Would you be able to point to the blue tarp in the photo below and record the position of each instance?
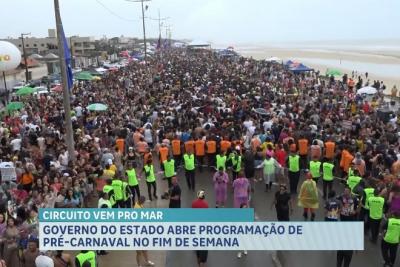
(288, 63)
(300, 68)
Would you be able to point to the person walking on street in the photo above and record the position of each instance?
(390, 240)
(294, 171)
(150, 179)
(241, 191)
(283, 204)
(271, 168)
(133, 182)
(308, 197)
(343, 258)
(190, 169)
(221, 181)
(376, 204)
(142, 254)
(174, 193)
(327, 177)
(201, 203)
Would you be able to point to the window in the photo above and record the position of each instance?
(35, 45)
(27, 45)
(42, 45)
(19, 45)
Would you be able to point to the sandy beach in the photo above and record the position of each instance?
(383, 65)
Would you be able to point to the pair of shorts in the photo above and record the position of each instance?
(202, 255)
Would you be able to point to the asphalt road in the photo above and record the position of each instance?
(261, 202)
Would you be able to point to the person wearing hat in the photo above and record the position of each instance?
(201, 203)
(44, 260)
(308, 197)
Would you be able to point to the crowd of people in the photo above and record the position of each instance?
(247, 123)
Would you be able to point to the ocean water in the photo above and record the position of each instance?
(384, 70)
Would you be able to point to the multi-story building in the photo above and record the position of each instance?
(81, 46)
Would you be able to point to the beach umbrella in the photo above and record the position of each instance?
(25, 91)
(368, 90)
(97, 107)
(84, 76)
(14, 106)
(334, 72)
(261, 111)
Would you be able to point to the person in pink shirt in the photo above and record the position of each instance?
(241, 191)
(221, 181)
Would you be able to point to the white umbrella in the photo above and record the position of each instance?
(368, 90)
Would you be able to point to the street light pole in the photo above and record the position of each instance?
(25, 60)
(144, 25)
(66, 97)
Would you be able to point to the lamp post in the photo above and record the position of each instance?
(25, 60)
(144, 25)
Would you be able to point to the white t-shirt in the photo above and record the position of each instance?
(248, 124)
(44, 261)
(16, 144)
(267, 125)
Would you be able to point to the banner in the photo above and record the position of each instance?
(200, 229)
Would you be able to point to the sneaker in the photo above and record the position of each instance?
(149, 263)
(239, 255)
(245, 252)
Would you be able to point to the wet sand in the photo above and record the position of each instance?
(319, 58)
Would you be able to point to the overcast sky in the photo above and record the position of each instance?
(218, 21)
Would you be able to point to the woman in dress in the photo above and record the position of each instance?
(241, 191)
(220, 180)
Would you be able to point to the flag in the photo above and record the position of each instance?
(68, 60)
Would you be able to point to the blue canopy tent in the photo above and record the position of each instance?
(289, 62)
(300, 68)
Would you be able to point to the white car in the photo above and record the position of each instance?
(40, 90)
(18, 85)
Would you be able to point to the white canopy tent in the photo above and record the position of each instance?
(368, 90)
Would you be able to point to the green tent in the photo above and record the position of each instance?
(84, 76)
(14, 106)
(334, 72)
(25, 91)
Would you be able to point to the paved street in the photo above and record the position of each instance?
(261, 201)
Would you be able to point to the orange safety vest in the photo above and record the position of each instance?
(189, 146)
(163, 153)
(329, 150)
(303, 147)
(120, 143)
(225, 145)
(211, 147)
(176, 147)
(200, 148)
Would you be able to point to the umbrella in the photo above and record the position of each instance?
(97, 107)
(261, 111)
(333, 72)
(368, 90)
(14, 106)
(58, 88)
(84, 76)
(25, 91)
